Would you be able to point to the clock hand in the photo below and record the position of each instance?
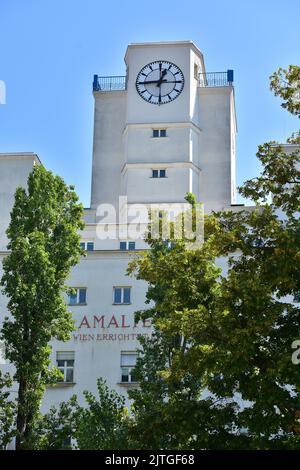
(176, 81)
(150, 81)
(161, 78)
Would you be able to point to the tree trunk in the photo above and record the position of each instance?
(21, 415)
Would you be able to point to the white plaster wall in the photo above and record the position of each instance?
(141, 187)
(100, 358)
(108, 154)
(140, 146)
(215, 147)
(138, 110)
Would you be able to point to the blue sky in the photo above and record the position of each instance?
(49, 51)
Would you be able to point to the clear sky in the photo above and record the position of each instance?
(50, 49)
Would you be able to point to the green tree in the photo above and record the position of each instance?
(7, 411)
(44, 245)
(55, 429)
(217, 372)
(172, 409)
(102, 423)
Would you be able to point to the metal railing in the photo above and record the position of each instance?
(209, 79)
(215, 79)
(114, 83)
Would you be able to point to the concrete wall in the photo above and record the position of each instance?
(200, 126)
(97, 355)
(108, 154)
(215, 147)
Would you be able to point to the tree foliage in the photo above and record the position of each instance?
(100, 424)
(7, 411)
(44, 245)
(217, 373)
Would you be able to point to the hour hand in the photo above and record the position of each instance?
(161, 78)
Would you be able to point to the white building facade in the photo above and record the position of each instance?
(166, 128)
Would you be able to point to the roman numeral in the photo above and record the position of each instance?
(149, 99)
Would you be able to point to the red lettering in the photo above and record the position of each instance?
(98, 320)
(113, 321)
(124, 322)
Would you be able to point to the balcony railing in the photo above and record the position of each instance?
(117, 83)
(215, 79)
(109, 83)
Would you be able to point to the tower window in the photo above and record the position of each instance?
(196, 71)
(159, 173)
(159, 132)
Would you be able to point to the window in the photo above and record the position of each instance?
(127, 246)
(159, 173)
(128, 363)
(159, 133)
(79, 298)
(122, 295)
(65, 363)
(87, 246)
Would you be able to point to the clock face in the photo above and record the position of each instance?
(160, 82)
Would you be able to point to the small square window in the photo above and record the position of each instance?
(87, 246)
(159, 173)
(124, 246)
(79, 298)
(122, 295)
(159, 133)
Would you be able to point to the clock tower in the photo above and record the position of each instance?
(167, 128)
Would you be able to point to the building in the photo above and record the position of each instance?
(164, 129)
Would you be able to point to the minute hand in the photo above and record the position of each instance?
(151, 81)
(174, 81)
